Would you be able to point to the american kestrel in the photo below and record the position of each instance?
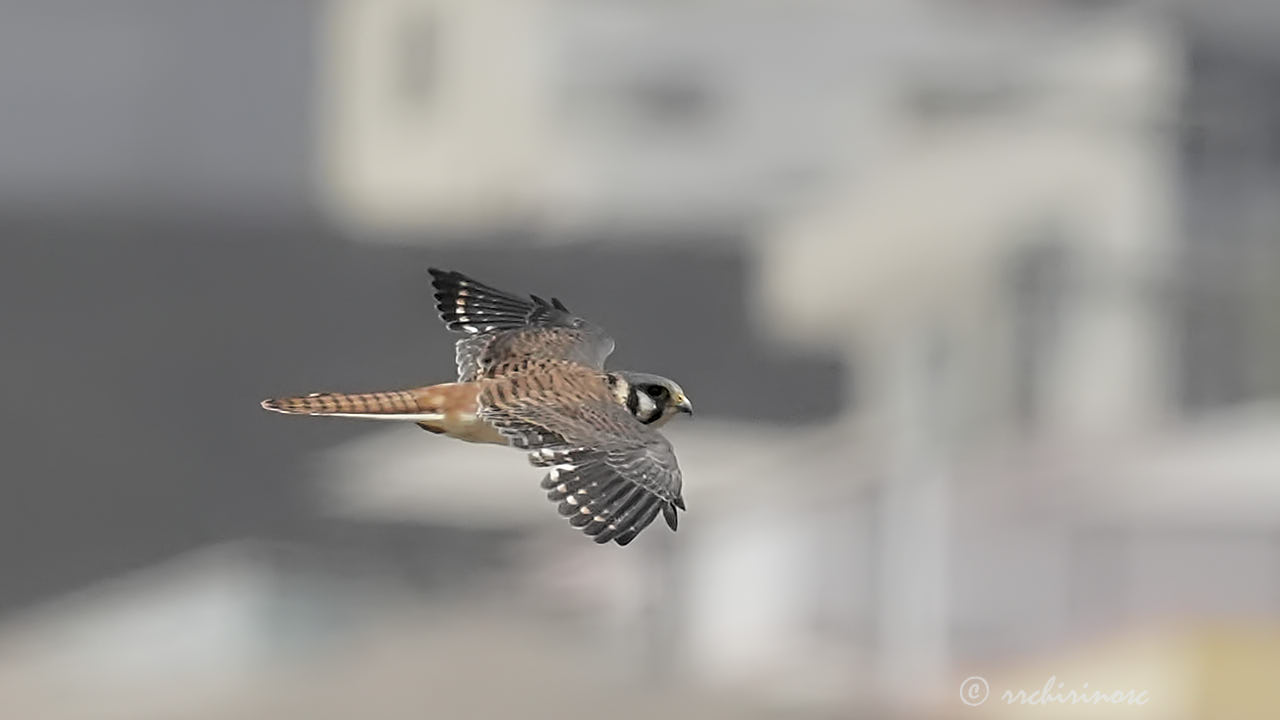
(531, 375)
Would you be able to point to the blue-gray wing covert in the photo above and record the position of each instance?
(610, 474)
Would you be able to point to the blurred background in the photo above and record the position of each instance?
(978, 301)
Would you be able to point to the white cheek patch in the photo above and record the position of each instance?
(645, 407)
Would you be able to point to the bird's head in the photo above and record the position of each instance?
(652, 399)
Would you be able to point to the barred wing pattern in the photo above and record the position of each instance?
(505, 331)
(613, 493)
(610, 475)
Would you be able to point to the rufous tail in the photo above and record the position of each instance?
(417, 404)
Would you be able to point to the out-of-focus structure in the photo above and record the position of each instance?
(1038, 244)
(608, 119)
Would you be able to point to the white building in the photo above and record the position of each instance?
(608, 118)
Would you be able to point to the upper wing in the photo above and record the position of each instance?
(610, 474)
(504, 330)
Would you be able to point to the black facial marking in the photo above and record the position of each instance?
(657, 394)
(633, 402)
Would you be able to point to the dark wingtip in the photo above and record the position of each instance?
(443, 280)
(448, 277)
(669, 514)
(679, 501)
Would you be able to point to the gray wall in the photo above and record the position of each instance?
(156, 104)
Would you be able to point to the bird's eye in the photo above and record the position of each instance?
(656, 392)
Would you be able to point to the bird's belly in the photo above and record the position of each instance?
(469, 427)
(457, 414)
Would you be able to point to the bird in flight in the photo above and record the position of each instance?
(531, 375)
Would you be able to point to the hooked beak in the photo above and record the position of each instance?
(684, 406)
